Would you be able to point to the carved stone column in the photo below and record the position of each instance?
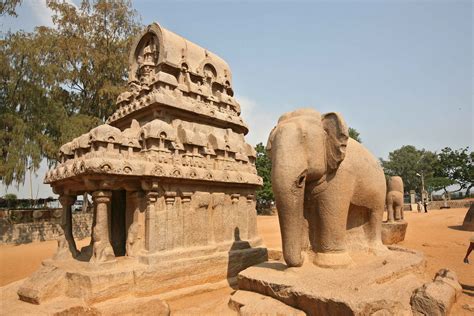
(136, 231)
(150, 222)
(102, 250)
(66, 223)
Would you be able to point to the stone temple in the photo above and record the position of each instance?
(172, 179)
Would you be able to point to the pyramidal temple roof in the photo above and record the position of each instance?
(177, 119)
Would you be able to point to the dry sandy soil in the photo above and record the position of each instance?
(436, 233)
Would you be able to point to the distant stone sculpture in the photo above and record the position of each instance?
(394, 229)
(395, 199)
(329, 190)
(468, 223)
(172, 179)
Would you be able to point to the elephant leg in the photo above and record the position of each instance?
(332, 224)
(374, 233)
(390, 212)
(398, 214)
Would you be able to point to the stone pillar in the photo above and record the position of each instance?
(150, 222)
(412, 197)
(102, 250)
(168, 220)
(136, 231)
(66, 222)
(252, 217)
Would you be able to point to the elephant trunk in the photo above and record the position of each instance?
(288, 182)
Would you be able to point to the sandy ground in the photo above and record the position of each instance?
(436, 233)
(19, 261)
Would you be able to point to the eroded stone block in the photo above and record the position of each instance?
(437, 297)
(394, 232)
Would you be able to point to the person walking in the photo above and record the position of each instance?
(425, 205)
(469, 249)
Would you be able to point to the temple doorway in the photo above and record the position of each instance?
(118, 232)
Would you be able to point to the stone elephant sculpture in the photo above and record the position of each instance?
(394, 199)
(325, 185)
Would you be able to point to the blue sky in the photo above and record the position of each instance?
(400, 72)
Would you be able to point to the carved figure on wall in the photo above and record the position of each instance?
(320, 177)
(395, 199)
(134, 240)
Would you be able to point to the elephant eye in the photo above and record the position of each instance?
(301, 180)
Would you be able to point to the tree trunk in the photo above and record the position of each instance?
(468, 190)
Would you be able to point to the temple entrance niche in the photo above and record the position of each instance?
(118, 228)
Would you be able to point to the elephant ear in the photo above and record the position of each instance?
(269, 143)
(336, 140)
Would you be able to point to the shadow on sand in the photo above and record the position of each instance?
(467, 289)
(456, 227)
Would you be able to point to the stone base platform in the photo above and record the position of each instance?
(394, 232)
(381, 285)
(60, 306)
(131, 277)
(251, 303)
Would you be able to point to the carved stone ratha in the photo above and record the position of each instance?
(172, 179)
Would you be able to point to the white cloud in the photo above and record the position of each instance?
(41, 12)
(259, 121)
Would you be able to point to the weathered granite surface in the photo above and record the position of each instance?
(374, 284)
(394, 232)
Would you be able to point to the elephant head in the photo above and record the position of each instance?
(304, 147)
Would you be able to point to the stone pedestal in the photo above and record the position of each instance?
(393, 232)
(381, 285)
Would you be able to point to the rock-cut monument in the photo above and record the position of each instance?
(172, 179)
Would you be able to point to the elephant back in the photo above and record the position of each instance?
(395, 183)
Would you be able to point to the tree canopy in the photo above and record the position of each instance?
(440, 170)
(455, 167)
(8, 7)
(410, 163)
(354, 134)
(58, 82)
(264, 169)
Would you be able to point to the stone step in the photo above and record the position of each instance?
(251, 303)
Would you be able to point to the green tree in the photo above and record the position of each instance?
(456, 167)
(410, 163)
(56, 83)
(264, 170)
(354, 134)
(438, 183)
(9, 7)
